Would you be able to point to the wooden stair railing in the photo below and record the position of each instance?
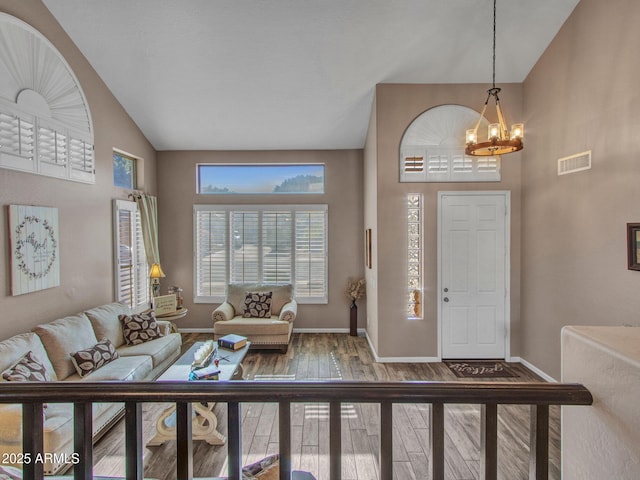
(488, 395)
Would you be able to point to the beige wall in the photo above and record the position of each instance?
(344, 196)
(85, 217)
(582, 95)
(371, 221)
(397, 106)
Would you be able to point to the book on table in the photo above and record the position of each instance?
(232, 341)
(207, 373)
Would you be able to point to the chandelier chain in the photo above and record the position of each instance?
(494, 44)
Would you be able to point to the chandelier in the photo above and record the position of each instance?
(499, 139)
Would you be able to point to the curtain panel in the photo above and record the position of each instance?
(148, 207)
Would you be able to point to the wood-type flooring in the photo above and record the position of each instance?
(340, 356)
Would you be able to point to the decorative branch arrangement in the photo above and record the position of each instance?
(355, 289)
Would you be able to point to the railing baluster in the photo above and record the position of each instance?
(539, 395)
(33, 440)
(539, 444)
(489, 440)
(234, 441)
(437, 441)
(133, 441)
(83, 440)
(284, 439)
(386, 440)
(184, 441)
(335, 441)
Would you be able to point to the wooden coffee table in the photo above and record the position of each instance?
(205, 422)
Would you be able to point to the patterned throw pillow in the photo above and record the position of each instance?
(28, 369)
(139, 328)
(91, 359)
(257, 305)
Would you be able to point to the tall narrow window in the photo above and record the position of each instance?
(268, 244)
(124, 170)
(414, 255)
(132, 272)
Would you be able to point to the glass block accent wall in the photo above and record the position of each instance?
(414, 255)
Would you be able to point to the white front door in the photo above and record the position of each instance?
(474, 263)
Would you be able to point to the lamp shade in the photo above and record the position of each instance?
(156, 271)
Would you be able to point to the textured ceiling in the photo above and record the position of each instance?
(292, 74)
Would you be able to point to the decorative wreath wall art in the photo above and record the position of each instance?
(35, 263)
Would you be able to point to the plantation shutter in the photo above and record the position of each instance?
(276, 247)
(245, 245)
(126, 273)
(311, 253)
(211, 253)
(271, 245)
(81, 159)
(16, 135)
(132, 273)
(52, 146)
(142, 285)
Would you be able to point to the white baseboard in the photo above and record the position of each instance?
(534, 369)
(325, 330)
(295, 330)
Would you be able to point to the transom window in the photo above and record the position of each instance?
(261, 179)
(431, 149)
(267, 244)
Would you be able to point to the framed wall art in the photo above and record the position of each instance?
(633, 246)
(368, 259)
(35, 251)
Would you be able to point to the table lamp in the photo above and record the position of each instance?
(155, 274)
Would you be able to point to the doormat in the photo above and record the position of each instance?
(484, 369)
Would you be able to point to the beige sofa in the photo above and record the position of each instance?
(52, 344)
(273, 332)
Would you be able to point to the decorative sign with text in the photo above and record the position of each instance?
(164, 304)
(35, 252)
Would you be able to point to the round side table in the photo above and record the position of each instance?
(177, 315)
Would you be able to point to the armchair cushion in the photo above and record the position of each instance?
(289, 312)
(249, 327)
(223, 313)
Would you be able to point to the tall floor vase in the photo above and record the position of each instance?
(353, 323)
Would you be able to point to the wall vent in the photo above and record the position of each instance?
(574, 163)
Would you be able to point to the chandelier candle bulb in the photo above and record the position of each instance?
(517, 130)
(471, 136)
(494, 131)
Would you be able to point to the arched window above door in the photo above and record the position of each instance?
(432, 148)
(45, 122)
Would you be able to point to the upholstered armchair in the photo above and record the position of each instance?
(262, 313)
